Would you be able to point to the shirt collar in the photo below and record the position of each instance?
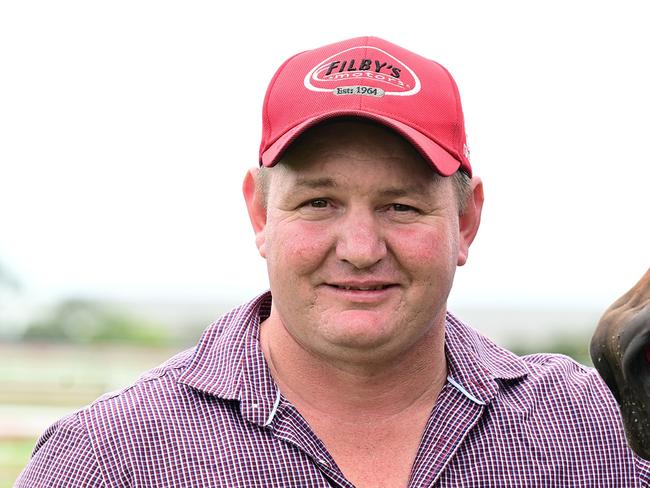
(476, 365)
(228, 362)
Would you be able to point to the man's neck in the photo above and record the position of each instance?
(355, 392)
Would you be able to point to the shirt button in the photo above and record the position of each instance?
(254, 405)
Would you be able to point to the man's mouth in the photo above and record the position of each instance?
(361, 288)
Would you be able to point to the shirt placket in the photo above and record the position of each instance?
(451, 421)
(291, 427)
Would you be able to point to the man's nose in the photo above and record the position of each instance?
(360, 239)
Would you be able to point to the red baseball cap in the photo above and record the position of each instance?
(374, 79)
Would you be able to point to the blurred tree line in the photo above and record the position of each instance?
(84, 321)
(80, 321)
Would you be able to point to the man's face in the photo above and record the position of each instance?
(361, 241)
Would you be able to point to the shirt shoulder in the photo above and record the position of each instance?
(85, 448)
(160, 424)
(576, 408)
(558, 386)
(63, 456)
(542, 410)
(560, 376)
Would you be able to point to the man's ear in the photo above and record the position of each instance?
(470, 219)
(256, 208)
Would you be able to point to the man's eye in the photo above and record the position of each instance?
(400, 207)
(318, 203)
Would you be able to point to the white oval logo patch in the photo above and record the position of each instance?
(363, 70)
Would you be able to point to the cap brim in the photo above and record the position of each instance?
(441, 161)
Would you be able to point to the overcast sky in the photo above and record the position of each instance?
(126, 128)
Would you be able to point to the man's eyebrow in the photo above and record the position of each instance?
(403, 191)
(388, 192)
(323, 182)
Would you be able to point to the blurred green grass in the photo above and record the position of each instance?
(13, 456)
(572, 344)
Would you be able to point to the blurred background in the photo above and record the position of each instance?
(126, 129)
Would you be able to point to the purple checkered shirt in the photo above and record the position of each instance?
(212, 416)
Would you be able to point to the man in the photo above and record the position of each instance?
(350, 372)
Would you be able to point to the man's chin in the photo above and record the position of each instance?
(360, 330)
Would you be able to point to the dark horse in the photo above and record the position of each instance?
(620, 350)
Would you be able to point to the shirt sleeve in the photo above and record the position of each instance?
(63, 456)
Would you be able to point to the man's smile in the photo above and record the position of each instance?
(360, 292)
(361, 286)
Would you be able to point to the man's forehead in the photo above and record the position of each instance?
(298, 179)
